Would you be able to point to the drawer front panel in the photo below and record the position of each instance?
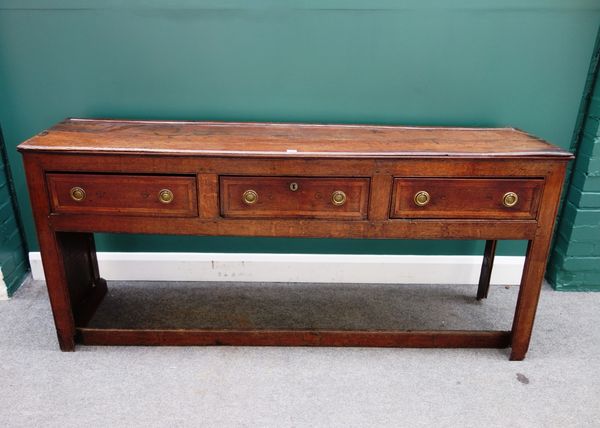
(294, 197)
(469, 198)
(145, 195)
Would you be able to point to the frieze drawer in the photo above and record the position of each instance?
(468, 198)
(118, 194)
(294, 197)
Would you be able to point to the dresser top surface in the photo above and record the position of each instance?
(89, 136)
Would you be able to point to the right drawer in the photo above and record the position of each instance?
(466, 198)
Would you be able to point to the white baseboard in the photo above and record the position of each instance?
(3, 288)
(376, 269)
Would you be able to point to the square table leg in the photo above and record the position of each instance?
(486, 269)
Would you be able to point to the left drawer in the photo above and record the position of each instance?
(119, 194)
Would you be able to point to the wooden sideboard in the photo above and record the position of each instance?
(286, 180)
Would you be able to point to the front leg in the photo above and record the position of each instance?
(74, 286)
(529, 294)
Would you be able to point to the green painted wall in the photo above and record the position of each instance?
(473, 62)
(13, 262)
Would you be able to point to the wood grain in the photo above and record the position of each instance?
(281, 139)
(366, 338)
(311, 199)
(302, 228)
(119, 194)
(466, 198)
(535, 266)
(485, 276)
(122, 165)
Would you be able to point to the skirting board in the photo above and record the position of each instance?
(3, 288)
(376, 269)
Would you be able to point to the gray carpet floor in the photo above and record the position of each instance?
(558, 385)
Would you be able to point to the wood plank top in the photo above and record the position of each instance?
(101, 136)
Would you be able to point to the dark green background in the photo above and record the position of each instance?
(471, 63)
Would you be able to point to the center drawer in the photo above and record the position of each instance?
(123, 194)
(294, 197)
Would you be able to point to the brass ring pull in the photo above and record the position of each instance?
(77, 194)
(165, 196)
(510, 199)
(422, 198)
(250, 197)
(338, 198)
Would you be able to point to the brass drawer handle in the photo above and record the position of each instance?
(165, 196)
(250, 197)
(422, 198)
(338, 198)
(77, 194)
(510, 199)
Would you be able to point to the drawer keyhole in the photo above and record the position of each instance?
(293, 186)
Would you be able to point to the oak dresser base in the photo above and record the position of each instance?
(286, 180)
